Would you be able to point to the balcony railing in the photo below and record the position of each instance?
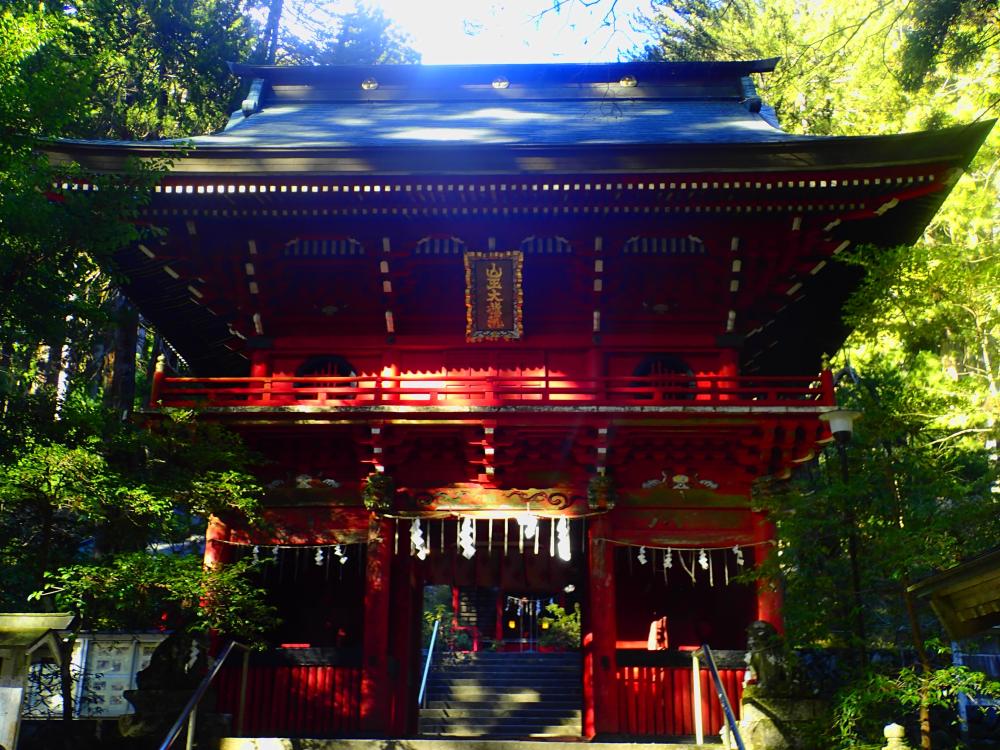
(462, 392)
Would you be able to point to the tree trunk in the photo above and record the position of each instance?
(66, 679)
(122, 393)
(268, 49)
(7, 377)
(47, 513)
(917, 635)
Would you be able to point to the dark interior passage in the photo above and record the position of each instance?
(703, 610)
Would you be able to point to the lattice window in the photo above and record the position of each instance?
(665, 246)
(440, 246)
(323, 248)
(546, 246)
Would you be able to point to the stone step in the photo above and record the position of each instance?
(508, 728)
(569, 671)
(552, 657)
(508, 731)
(570, 681)
(462, 711)
(284, 743)
(564, 704)
(514, 695)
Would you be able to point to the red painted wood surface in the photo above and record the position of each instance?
(375, 687)
(600, 716)
(462, 391)
(658, 700)
(294, 701)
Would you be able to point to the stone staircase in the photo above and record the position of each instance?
(283, 743)
(504, 695)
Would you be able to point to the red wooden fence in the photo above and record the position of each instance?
(367, 391)
(658, 700)
(290, 701)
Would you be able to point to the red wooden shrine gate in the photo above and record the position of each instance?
(438, 300)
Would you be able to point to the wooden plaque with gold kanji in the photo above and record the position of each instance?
(493, 295)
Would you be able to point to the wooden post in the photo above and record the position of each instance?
(375, 666)
(826, 382)
(259, 369)
(600, 683)
(215, 537)
(159, 372)
(192, 724)
(729, 367)
(699, 730)
(241, 714)
(405, 640)
(769, 596)
(216, 555)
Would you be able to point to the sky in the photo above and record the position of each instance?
(516, 31)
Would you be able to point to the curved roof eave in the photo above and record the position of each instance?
(955, 145)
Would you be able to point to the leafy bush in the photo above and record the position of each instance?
(563, 628)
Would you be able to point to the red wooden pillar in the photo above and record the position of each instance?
(259, 369)
(729, 366)
(595, 372)
(600, 680)
(375, 692)
(405, 635)
(769, 595)
(216, 555)
(216, 549)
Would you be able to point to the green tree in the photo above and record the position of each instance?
(308, 32)
(161, 65)
(111, 500)
(923, 466)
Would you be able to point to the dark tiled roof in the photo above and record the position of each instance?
(579, 122)
(496, 105)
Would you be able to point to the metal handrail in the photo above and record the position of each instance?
(720, 692)
(191, 707)
(427, 663)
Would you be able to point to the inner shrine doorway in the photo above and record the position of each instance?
(498, 591)
(507, 663)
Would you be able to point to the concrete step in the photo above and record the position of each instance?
(283, 743)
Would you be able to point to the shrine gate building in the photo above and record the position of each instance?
(526, 332)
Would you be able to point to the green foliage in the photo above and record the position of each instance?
(921, 491)
(865, 706)
(161, 67)
(108, 494)
(378, 492)
(363, 36)
(137, 590)
(564, 627)
(601, 491)
(449, 637)
(956, 32)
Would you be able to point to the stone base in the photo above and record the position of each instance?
(778, 723)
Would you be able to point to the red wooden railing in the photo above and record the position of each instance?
(462, 391)
(657, 700)
(295, 701)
